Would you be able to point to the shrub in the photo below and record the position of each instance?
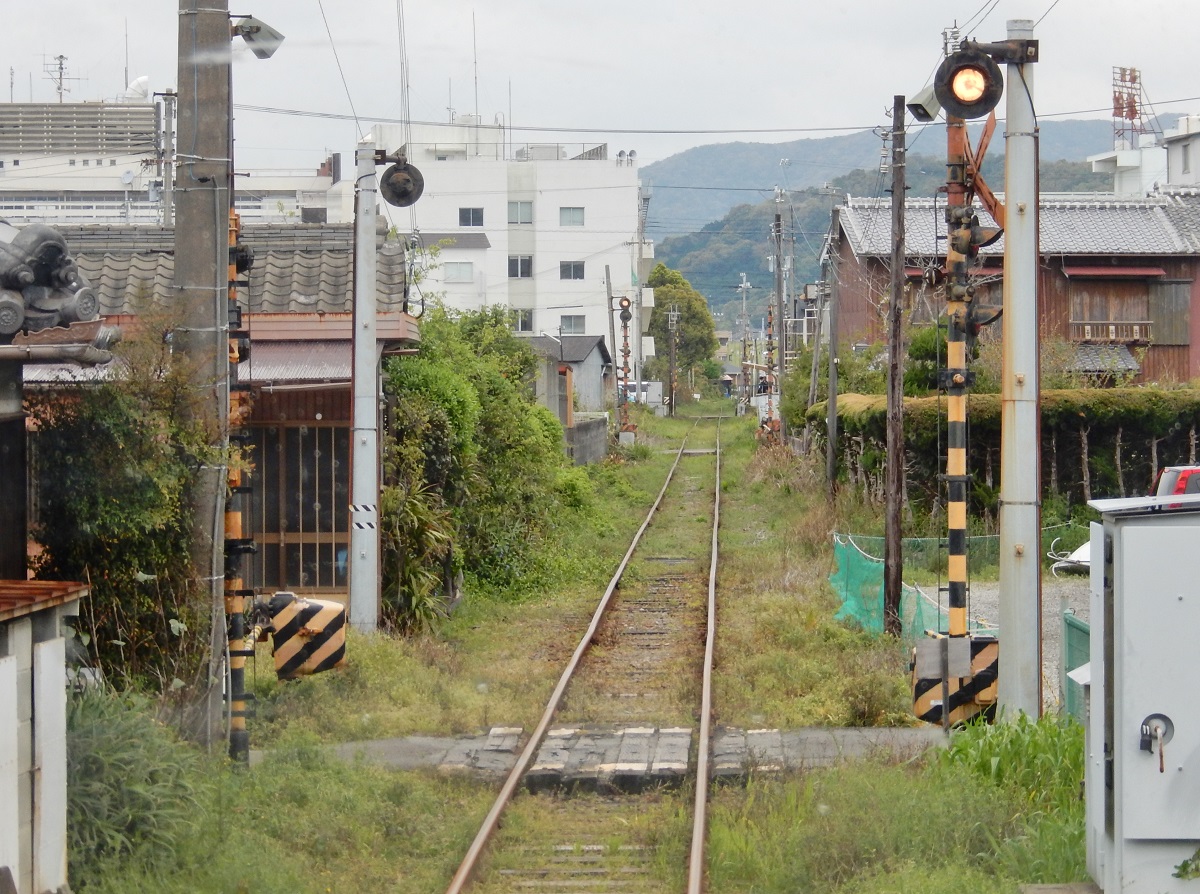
(133, 789)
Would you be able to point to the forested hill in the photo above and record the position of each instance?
(713, 258)
(701, 185)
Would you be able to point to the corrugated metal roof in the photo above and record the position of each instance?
(465, 240)
(290, 361)
(1162, 224)
(24, 597)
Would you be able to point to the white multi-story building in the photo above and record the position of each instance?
(536, 228)
(88, 162)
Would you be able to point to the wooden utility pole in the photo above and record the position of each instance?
(202, 289)
(893, 561)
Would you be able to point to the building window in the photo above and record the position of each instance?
(570, 217)
(112, 162)
(520, 212)
(299, 507)
(520, 266)
(470, 217)
(16, 162)
(459, 271)
(523, 319)
(572, 325)
(85, 162)
(1186, 153)
(570, 270)
(71, 163)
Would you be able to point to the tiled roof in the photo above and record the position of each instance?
(574, 348)
(301, 267)
(1166, 223)
(1104, 359)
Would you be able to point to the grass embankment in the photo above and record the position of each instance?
(1001, 806)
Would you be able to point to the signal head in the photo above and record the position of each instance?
(968, 83)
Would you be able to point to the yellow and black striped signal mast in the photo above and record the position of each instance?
(968, 84)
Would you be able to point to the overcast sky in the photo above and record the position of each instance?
(705, 71)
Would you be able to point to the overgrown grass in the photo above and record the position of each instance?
(153, 816)
(999, 808)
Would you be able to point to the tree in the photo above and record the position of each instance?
(696, 333)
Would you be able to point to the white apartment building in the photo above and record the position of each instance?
(88, 162)
(532, 227)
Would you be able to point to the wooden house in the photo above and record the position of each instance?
(1119, 278)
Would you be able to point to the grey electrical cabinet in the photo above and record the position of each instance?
(1142, 781)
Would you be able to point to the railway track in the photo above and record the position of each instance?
(583, 814)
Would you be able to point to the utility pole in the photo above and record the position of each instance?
(202, 291)
(364, 448)
(673, 327)
(612, 338)
(831, 426)
(1020, 687)
(893, 562)
(644, 194)
(780, 324)
(168, 196)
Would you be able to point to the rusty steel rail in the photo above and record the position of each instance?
(695, 884)
(466, 870)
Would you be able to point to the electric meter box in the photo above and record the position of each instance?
(1142, 778)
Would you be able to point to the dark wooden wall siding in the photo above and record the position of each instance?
(1170, 309)
(273, 408)
(1165, 363)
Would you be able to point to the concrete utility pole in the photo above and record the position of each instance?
(1020, 684)
(364, 451)
(202, 286)
(781, 323)
(673, 328)
(644, 194)
(893, 562)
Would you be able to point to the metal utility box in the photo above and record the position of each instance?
(1142, 781)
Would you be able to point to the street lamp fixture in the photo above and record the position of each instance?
(262, 39)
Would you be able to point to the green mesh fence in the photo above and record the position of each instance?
(858, 582)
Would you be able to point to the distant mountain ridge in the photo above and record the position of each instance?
(700, 185)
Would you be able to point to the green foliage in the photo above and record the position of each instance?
(473, 464)
(115, 462)
(696, 341)
(1138, 423)
(132, 787)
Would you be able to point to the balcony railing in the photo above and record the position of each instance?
(1111, 331)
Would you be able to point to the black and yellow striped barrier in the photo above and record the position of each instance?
(970, 696)
(307, 635)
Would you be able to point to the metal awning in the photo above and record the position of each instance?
(1110, 272)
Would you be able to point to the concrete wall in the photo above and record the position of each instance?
(587, 441)
(33, 817)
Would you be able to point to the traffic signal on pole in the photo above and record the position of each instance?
(626, 315)
(968, 83)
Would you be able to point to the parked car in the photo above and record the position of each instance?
(1176, 480)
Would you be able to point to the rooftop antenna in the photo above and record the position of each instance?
(57, 72)
(127, 51)
(450, 98)
(475, 56)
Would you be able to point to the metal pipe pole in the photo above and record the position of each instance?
(1020, 684)
(364, 431)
